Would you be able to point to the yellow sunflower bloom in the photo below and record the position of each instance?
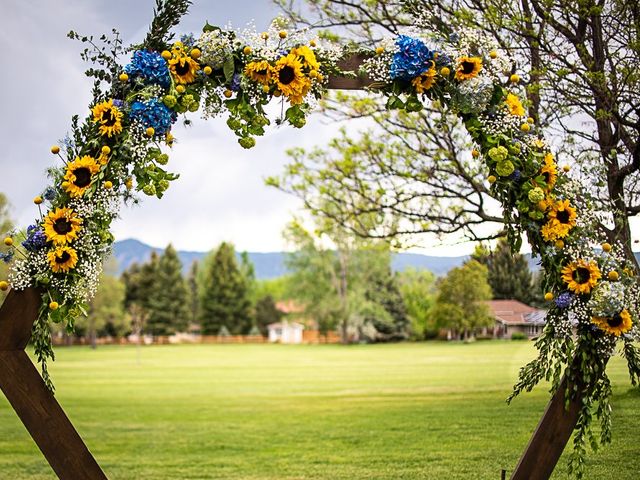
(290, 79)
(425, 80)
(62, 226)
(580, 276)
(514, 105)
(468, 67)
(109, 118)
(615, 325)
(79, 175)
(259, 72)
(549, 171)
(563, 213)
(62, 259)
(307, 57)
(183, 67)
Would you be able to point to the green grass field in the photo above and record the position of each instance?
(411, 411)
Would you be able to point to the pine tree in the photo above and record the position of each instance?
(266, 313)
(193, 299)
(168, 298)
(383, 290)
(224, 298)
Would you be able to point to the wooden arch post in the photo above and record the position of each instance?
(70, 458)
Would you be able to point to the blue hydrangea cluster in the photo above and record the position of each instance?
(150, 66)
(153, 113)
(412, 58)
(6, 257)
(564, 299)
(49, 193)
(235, 82)
(188, 40)
(35, 239)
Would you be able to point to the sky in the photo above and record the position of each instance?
(220, 195)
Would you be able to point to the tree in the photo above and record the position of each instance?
(266, 313)
(383, 290)
(139, 283)
(508, 273)
(418, 289)
(578, 60)
(5, 226)
(193, 299)
(224, 300)
(167, 302)
(460, 303)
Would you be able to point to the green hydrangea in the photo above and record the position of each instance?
(498, 154)
(536, 215)
(505, 168)
(169, 100)
(536, 195)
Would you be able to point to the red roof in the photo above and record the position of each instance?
(513, 312)
(289, 306)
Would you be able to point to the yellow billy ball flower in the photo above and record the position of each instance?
(106, 150)
(445, 71)
(38, 200)
(180, 89)
(53, 305)
(228, 93)
(525, 127)
(559, 244)
(313, 74)
(264, 35)
(55, 149)
(129, 183)
(312, 43)
(108, 185)
(613, 276)
(246, 50)
(282, 34)
(150, 132)
(277, 93)
(606, 247)
(515, 78)
(195, 53)
(379, 50)
(566, 168)
(492, 178)
(8, 241)
(493, 54)
(475, 153)
(123, 77)
(207, 70)
(166, 54)
(4, 286)
(548, 296)
(265, 88)
(530, 120)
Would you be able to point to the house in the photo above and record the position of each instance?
(285, 332)
(512, 316)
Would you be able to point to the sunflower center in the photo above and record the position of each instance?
(581, 275)
(262, 73)
(563, 216)
(615, 321)
(468, 67)
(286, 75)
(182, 68)
(62, 226)
(83, 177)
(108, 118)
(64, 258)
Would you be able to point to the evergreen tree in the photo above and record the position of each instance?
(194, 301)
(224, 297)
(266, 313)
(139, 281)
(168, 298)
(383, 290)
(508, 273)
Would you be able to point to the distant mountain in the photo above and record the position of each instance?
(272, 265)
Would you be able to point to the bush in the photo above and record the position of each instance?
(518, 336)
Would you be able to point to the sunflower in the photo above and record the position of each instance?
(183, 67)
(581, 276)
(468, 67)
(308, 58)
(549, 171)
(259, 71)
(109, 117)
(514, 105)
(425, 80)
(62, 259)
(79, 175)
(62, 226)
(563, 213)
(615, 325)
(290, 79)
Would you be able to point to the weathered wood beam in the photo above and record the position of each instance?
(351, 64)
(27, 393)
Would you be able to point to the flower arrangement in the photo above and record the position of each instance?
(593, 294)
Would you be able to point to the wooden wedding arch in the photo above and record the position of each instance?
(70, 458)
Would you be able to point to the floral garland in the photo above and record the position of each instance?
(594, 300)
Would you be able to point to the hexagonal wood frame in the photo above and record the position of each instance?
(70, 458)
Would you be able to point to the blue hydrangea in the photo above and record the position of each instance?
(119, 103)
(6, 257)
(564, 299)
(35, 238)
(188, 40)
(49, 193)
(235, 82)
(150, 66)
(516, 176)
(153, 113)
(412, 58)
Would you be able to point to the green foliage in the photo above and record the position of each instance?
(266, 313)
(460, 301)
(5, 226)
(193, 299)
(278, 288)
(224, 300)
(107, 315)
(418, 291)
(518, 336)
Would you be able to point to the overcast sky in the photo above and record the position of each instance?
(221, 194)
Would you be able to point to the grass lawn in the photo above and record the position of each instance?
(410, 411)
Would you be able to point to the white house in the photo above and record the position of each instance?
(285, 332)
